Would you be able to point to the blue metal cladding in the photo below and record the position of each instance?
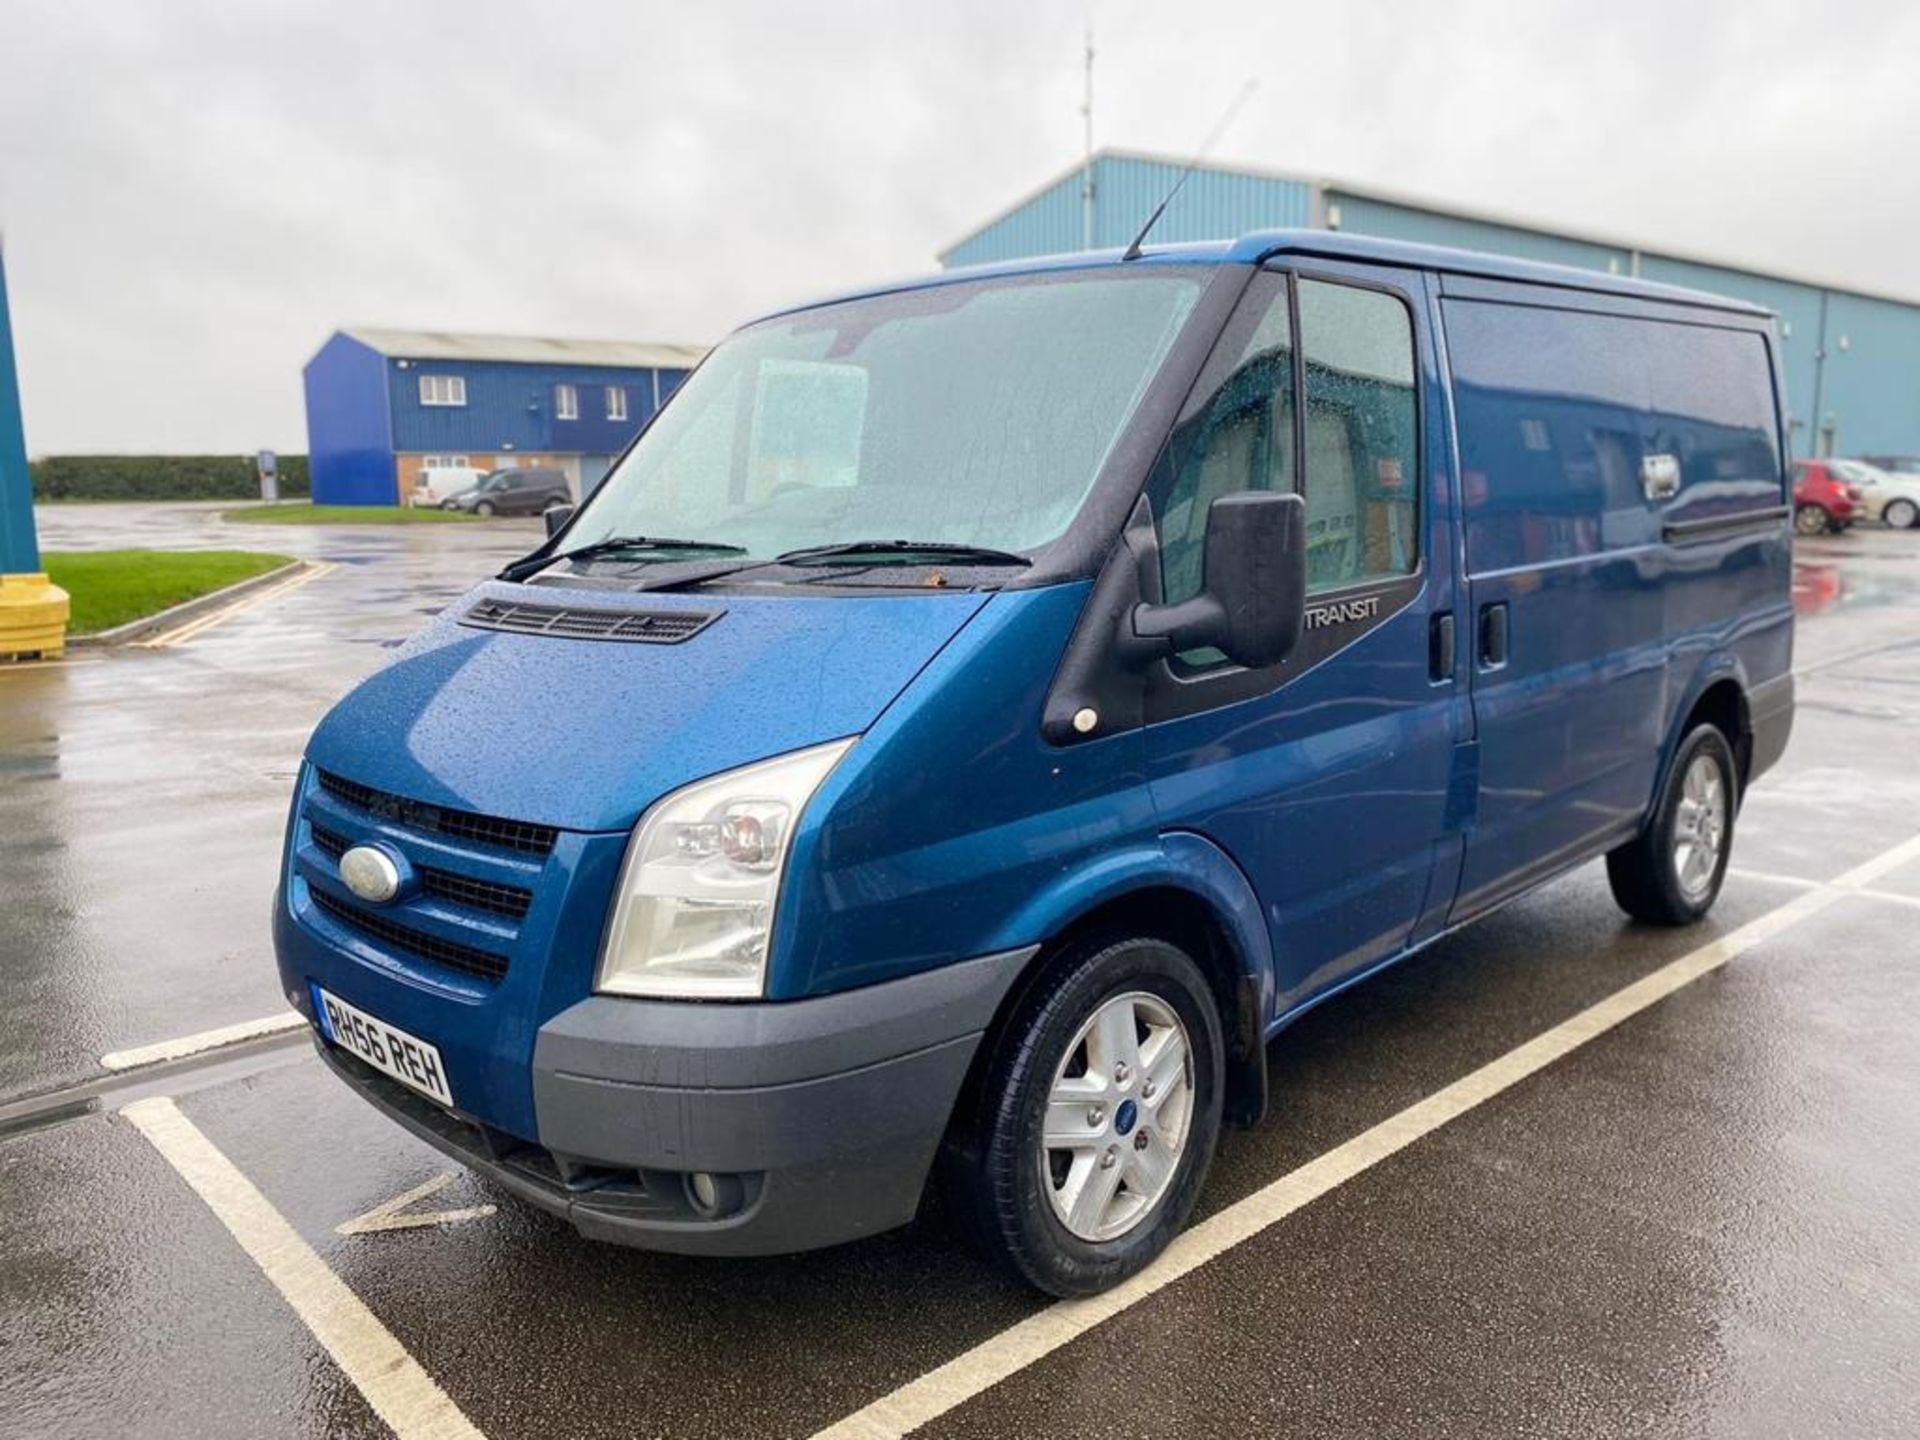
(1871, 389)
(1868, 393)
(1050, 223)
(514, 407)
(1361, 216)
(1214, 204)
(349, 426)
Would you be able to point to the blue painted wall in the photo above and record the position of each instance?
(363, 409)
(19, 548)
(511, 407)
(349, 429)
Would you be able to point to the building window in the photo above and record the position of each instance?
(616, 402)
(443, 389)
(566, 403)
(444, 462)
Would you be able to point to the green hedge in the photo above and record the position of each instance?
(159, 477)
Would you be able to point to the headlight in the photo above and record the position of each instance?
(694, 912)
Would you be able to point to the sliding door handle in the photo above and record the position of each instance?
(1494, 640)
(1440, 648)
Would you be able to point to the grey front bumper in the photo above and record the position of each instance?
(820, 1117)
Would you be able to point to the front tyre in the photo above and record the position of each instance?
(1901, 514)
(1097, 1118)
(1671, 874)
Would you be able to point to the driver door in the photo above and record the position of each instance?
(1325, 777)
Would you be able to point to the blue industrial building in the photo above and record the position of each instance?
(1852, 357)
(383, 404)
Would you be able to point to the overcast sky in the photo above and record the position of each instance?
(195, 195)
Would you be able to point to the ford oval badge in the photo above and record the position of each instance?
(370, 873)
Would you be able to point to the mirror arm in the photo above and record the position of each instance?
(1200, 619)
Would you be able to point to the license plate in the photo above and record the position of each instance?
(391, 1051)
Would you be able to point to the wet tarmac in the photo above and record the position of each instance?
(1704, 1221)
(143, 793)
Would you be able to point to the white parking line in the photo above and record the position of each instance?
(1020, 1345)
(387, 1215)
(206, 1040)
(1857, 888)
(400, 1392)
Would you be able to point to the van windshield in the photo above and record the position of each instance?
(974, 414)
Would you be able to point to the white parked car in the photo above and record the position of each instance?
(1891, 497)
(442, 482)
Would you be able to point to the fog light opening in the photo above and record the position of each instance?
(714, 1196)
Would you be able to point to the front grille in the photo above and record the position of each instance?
(508, 900)
(644, 627)
(519, 835)
(481, 964)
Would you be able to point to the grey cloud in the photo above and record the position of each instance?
(194, 195)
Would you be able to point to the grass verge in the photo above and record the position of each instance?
(111, 587)
(300, 514)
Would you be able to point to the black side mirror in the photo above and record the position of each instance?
(556, 517)
(1253, 595)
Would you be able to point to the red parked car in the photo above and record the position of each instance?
(1822, 502)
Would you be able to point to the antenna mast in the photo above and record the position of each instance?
(1086, 117)
(1132, 252)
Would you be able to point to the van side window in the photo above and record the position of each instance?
(1241, 439)
(1362, 426)
(1558, 410)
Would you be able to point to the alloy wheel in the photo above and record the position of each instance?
(1118, 1114)
(1700, 826)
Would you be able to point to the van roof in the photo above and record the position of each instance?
(1262, 245)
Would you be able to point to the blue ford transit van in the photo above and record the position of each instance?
(975, 716)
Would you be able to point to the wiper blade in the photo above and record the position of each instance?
(615, 544)
(939, 551)
(946, 550)
(648, 542)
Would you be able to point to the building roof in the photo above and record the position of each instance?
(526, 349)
(1407, 200)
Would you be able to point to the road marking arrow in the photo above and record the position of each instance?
(387, 1216)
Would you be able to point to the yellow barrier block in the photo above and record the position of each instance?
(33, 617)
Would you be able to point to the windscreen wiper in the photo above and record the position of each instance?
(615, 544)
(858, 552)
(903, 550)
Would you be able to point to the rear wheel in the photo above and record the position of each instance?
(1810, 520)
(1901, 514)
(1671, 874)
(1097, 1118)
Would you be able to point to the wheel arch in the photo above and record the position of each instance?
(1717, 693)
(1185, 890)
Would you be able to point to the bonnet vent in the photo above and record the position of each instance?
(639, 627)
